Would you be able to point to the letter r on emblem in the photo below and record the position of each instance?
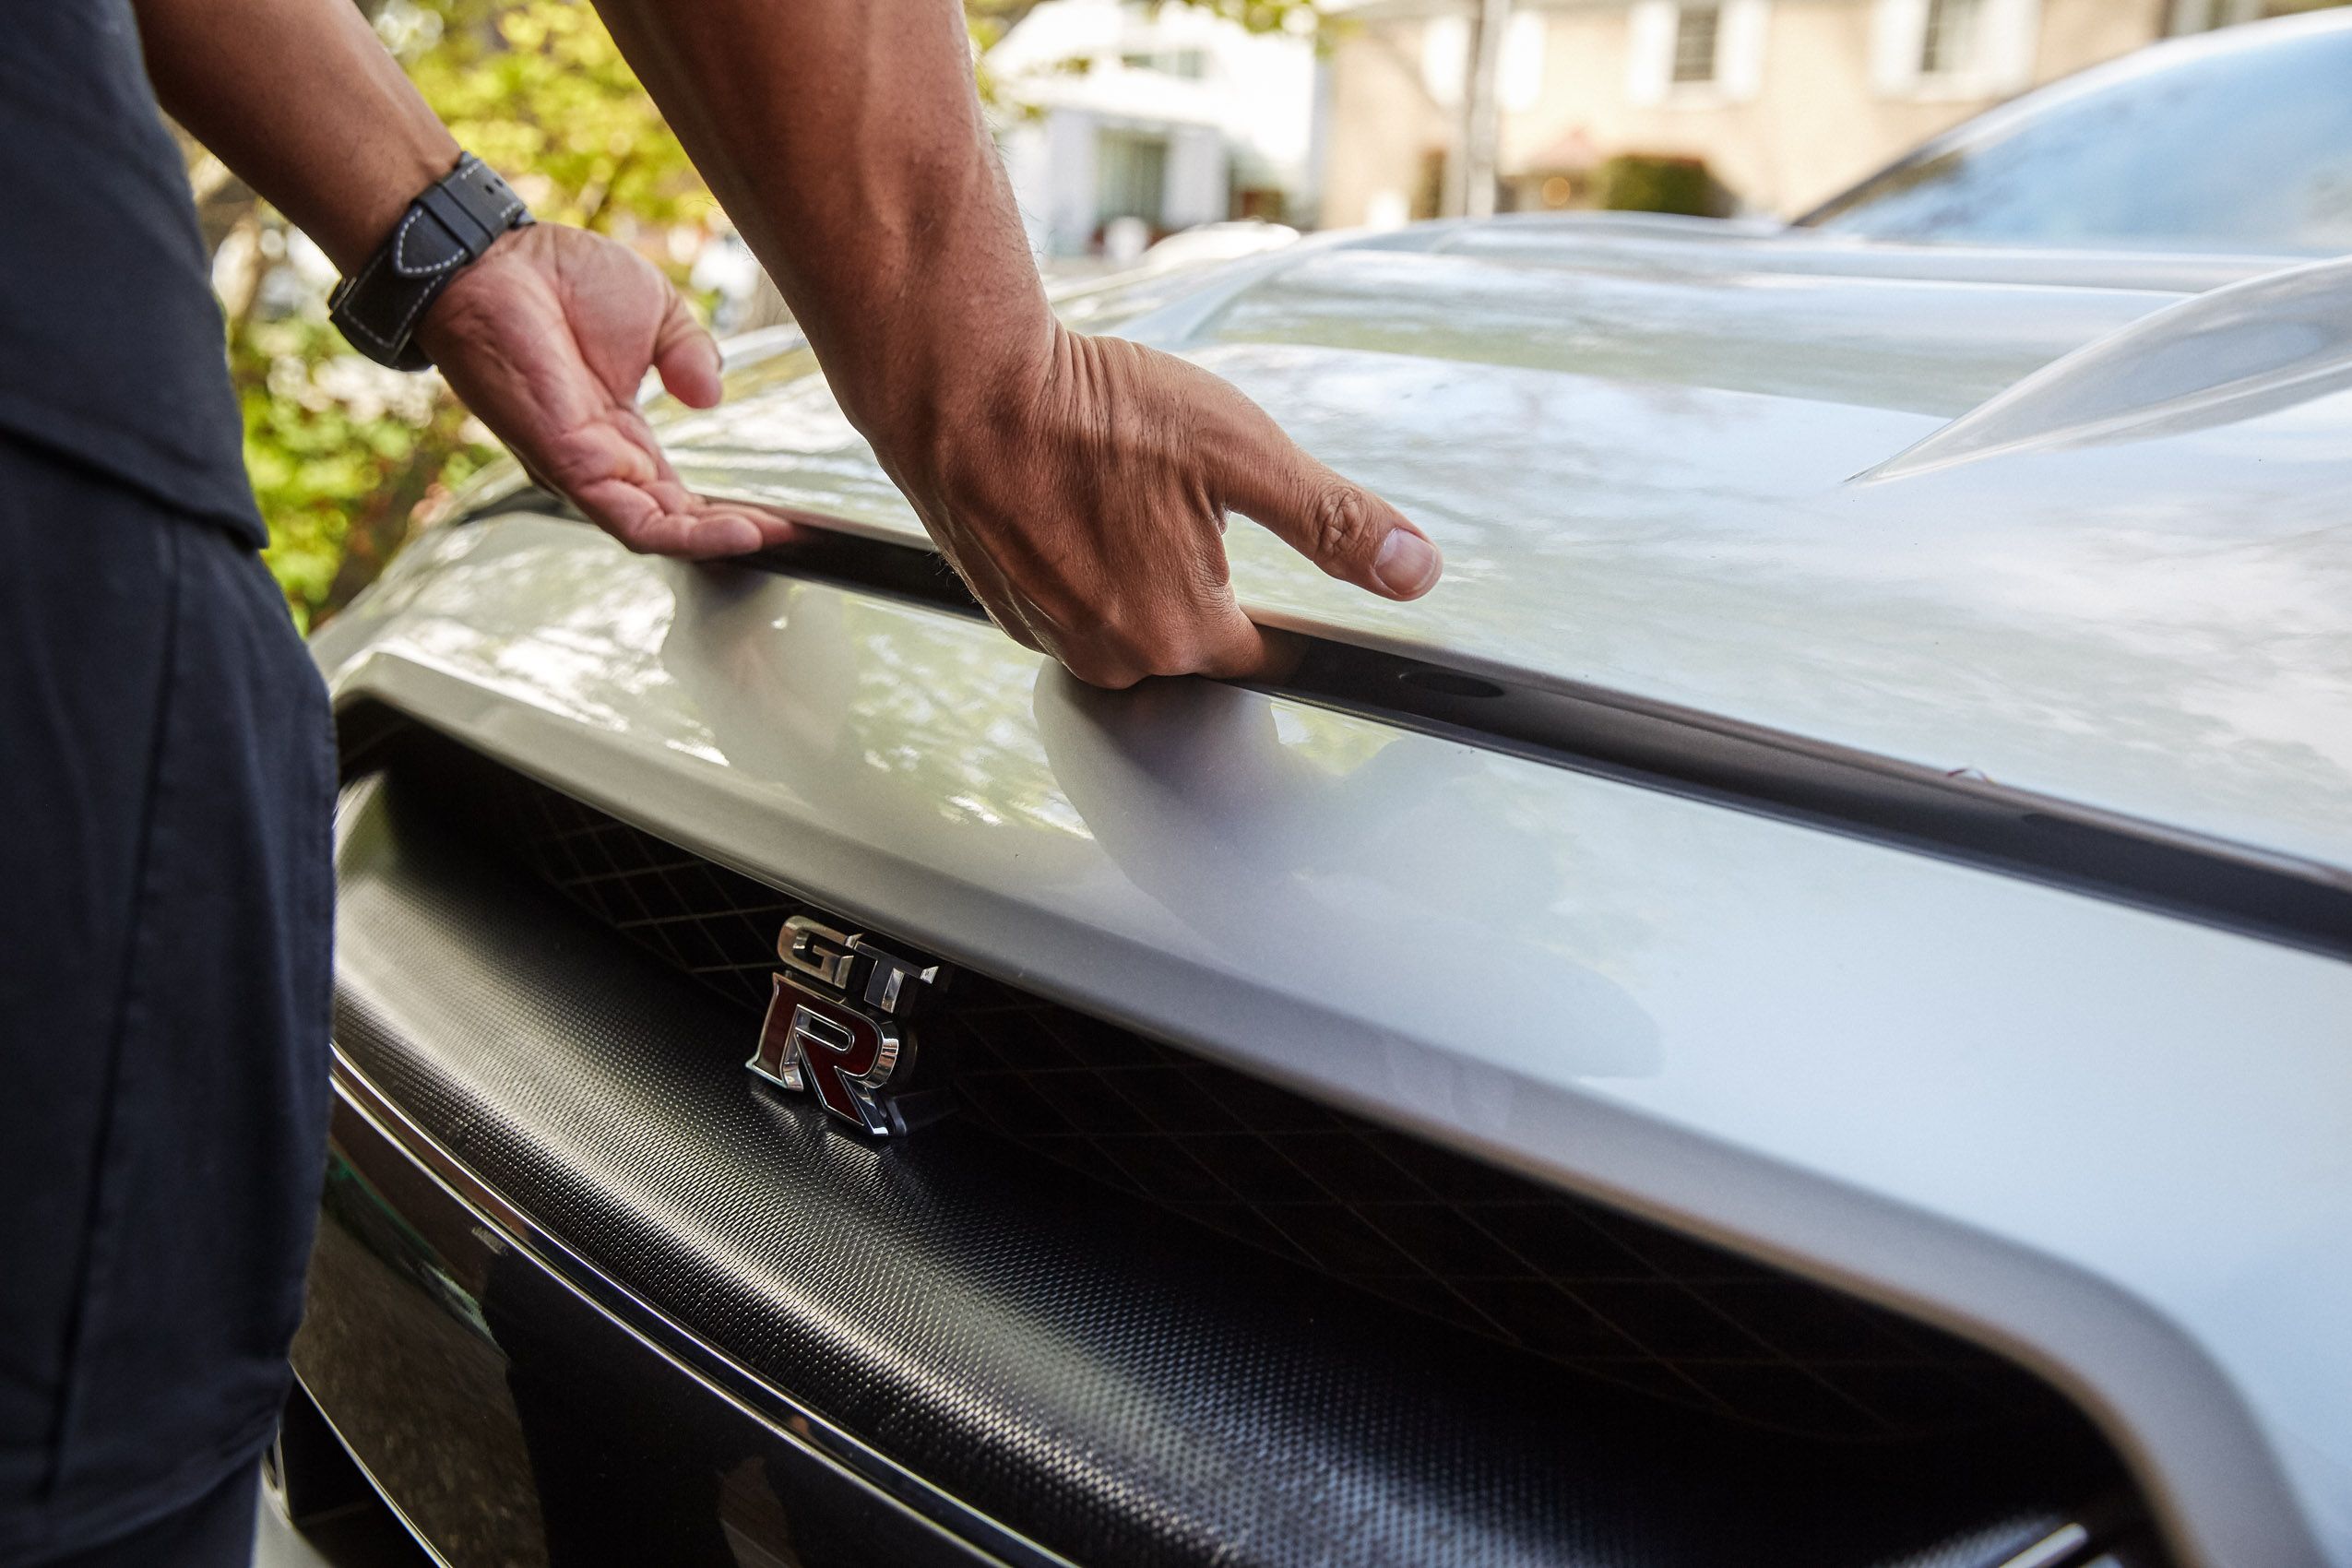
(814, 1043)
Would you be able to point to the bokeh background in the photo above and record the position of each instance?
(1135, 134)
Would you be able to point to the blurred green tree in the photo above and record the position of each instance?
(537, 87)
(341, 453)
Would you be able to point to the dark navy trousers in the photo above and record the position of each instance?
(166, 788)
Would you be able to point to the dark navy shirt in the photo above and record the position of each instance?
(111, 344)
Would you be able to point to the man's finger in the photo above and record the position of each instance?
(1236, 647)
(773, 529)
(1333, 522)
(686, 356)
(1241, 649)
(1004, 610)
(634, 518)
(669, 521)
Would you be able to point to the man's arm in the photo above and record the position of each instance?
(1078, 484)
(546, 338)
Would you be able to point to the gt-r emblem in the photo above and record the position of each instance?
(814, 1043)
(819, 1041)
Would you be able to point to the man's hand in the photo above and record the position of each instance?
(1078, 484)
(547, 338)
(1082, 492)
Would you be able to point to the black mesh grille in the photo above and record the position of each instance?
(1584, 1286)
(1046, 1350)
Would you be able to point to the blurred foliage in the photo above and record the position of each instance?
(339, 469)
(539, 90)
(1642, 182)
(1264, 16)
(342, 452)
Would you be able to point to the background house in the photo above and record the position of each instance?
(1169, 115)
(1785, 101)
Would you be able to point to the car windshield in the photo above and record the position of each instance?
(2247, 146)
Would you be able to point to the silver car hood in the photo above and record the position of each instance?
(2078, 521)
(2081, 523)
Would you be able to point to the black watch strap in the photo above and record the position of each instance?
(449, 226)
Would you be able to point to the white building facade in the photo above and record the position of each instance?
(1163, 119)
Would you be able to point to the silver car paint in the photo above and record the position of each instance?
(1648, 476)
(2113, 1145)
(2117, 1146)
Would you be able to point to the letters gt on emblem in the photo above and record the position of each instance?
(822, 1042)
(824, 954)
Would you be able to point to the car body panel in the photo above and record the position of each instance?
(2114, 1145)
(2072, 524)
(1669, 479)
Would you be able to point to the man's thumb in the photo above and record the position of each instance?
(1336, 524)
(686, 357)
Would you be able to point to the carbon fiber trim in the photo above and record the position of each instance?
(429, 1292)
(1486, 1251)
(1118, 1391)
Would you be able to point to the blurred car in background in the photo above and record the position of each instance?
(2233, 141)
(1794, 1010)
(1220, 242)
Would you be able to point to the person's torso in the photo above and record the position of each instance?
(110, 343)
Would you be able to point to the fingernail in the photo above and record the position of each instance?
(1407, 564)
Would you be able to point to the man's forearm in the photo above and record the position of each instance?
(845, 139)
(302, 102)
(1079, 484)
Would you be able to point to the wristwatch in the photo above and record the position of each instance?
(444, 230)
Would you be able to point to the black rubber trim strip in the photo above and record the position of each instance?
(2014, 832)
(1590, 730)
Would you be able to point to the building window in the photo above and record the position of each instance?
(1521, 86)
(1952, 50)
(1445, 59)
(1948, 44)
(1190, 63)
(1695, 55)
(1696, 29)
(1131, 176)
(2201, 15)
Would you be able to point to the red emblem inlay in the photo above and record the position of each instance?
(814, 1043)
